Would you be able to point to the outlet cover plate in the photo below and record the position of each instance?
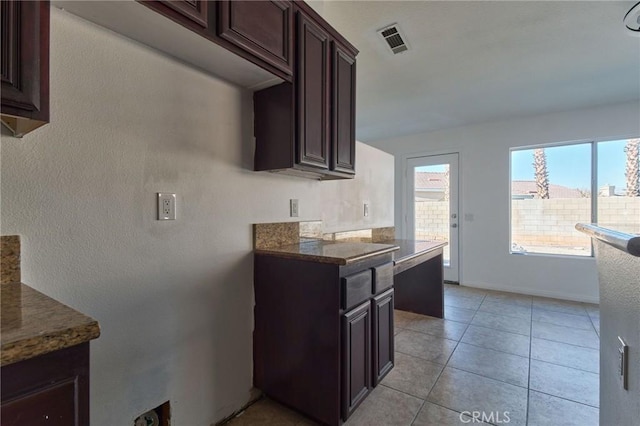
(166, 206)
(293, 207)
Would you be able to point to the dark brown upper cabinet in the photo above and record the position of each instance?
(307, 128)
(25, 65)
(343, 106)
(312, 94)
(263, 28)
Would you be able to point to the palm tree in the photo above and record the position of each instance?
(632, 172)
(541, 173)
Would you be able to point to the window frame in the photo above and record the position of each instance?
(594, 189)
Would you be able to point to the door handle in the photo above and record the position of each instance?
(454, 225)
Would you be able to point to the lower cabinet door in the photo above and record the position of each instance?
(383, 358)
(356, 357)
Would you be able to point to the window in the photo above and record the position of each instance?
(553, 187)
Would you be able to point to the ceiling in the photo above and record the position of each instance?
(479, 61)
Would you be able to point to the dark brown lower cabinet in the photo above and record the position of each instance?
(323, 335)
(48, 390)
(356, 357)
(383, 350)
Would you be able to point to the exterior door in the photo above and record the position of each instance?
(432, 205)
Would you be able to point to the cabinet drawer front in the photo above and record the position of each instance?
(356, 289)
(382, 277)
(54, 406)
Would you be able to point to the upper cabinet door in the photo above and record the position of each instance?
(25, 64)
(194, 10)
(260, 27)
(343, 110)
(312, 90)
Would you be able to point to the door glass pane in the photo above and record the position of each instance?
(618, 185)
(432, 217)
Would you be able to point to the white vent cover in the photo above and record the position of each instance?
(394, 39)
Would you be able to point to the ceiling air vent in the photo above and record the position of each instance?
(394, 38)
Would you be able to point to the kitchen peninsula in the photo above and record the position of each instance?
(324, 306)
(45, 352)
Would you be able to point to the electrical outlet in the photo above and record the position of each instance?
(366, 210)
(166, 206)
(293, 207)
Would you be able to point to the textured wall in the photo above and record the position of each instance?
(174, 299)
(484, 193)
(619, 275)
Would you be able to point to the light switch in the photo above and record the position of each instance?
(293, 207)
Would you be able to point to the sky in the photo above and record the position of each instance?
(570, 165)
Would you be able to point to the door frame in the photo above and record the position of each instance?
(407, 208)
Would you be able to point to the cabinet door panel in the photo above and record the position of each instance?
(313, 94)
(356, 359)
(193, 10)
(383, 355)
(344, 110)
(261, 27)
(25, 59)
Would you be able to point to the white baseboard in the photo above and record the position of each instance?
(533, 292)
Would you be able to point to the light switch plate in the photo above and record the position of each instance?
(366, 210)
(166, 206)
(293, 207)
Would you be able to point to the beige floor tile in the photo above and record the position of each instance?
(557, 305)
(458, 314)
(509, 298)
(563, 319)
(438, 327)
(489, 363)
(269, 413)
(425, 346)
(412, 375)
(386, 406)
(462, 302)
(471, 292)
(434, 415)
(501, 322)
(564, 382)
(502, 341)
(568, 355)
(545, 410)
(506, 309)
(572, 336)
(462, 391)
(402, 318)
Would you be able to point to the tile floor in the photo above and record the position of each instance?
(529, 360)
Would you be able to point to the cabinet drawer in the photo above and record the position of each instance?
(356, 289)
(382, 277)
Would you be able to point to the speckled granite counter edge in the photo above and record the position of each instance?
(324, 259)
(40, 342)
(9, 259)
(45, 343)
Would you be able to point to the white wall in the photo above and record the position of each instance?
(174, 299)
(484, 192)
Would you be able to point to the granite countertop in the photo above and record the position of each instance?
(34, 324)
(408, 249)
(335, 252)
